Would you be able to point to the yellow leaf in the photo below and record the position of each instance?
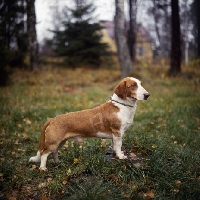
(149, 195)
(178, 182)
(49, 179)
(19, 125)
(28, 121)
(69, 171)
(64, 182)
(25, 135)
(33, 167)
(18, 169)
(154, 146)
(175, 191)
(41, 185)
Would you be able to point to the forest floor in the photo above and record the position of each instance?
(165, 136)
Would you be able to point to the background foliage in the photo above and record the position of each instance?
(80, 38)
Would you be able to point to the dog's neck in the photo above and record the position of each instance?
(129, 102)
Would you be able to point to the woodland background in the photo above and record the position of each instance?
(73, 70)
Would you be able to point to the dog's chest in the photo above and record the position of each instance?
(126, 116)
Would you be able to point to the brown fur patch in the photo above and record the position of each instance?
(85, 123)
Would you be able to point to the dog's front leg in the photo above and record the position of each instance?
(117, 144)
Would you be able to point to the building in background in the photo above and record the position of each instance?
(144, 41)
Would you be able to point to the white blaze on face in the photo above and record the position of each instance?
(140, 90)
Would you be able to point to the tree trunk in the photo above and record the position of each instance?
(156, 22)
(132, 28)
(198, 27)
(176, 40)
(32, 36)
(122, 47)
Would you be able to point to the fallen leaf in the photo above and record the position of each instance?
(19, 125)
(49, 179)
(154, 146)
(133, 156)
(25, 135)
(137, 144)
(43, 197)
(178, 182)
(17, 142)
(69, 171)
(149, 195)
(64, 182)
(175, 191)
(33, 167)
(41, 185)
(28, 121)
(18, 169)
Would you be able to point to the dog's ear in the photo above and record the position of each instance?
(121, 90)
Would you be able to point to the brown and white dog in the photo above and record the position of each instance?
(109, 120)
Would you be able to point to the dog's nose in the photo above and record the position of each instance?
(146, 95)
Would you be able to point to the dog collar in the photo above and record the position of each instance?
(120, 102)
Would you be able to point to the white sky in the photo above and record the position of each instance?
(105, 10)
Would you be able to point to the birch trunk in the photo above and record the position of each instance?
(122, 47)
(32, 36)
(132, 28)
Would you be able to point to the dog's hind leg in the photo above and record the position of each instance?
(55, 153)
(44, 161)
(35, 158)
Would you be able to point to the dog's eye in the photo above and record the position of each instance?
(134, 85)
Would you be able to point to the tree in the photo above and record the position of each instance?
(185, 28)
(195, 18)
(175, 67)
(122, 48)
(13, 40)
(12, 29)
(159, 10)
(80, 39)
(32, 36)
(198, 26)
(132, 28)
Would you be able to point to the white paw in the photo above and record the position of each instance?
(43, 169)
(34, 159)
(121, 156)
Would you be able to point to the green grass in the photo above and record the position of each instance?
(165, 136)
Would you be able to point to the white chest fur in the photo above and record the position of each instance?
(126, 113)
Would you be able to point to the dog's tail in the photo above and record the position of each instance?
(42, 136)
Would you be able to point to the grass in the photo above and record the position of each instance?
(165, 136)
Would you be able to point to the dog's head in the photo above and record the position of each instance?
(132, 88)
